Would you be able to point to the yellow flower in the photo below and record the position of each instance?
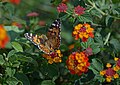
(108, 65)
(116, 68)
(116, 76)
(108, 78)
(53, 57)
(116, 59)
(102, 72)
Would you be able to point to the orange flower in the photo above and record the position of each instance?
(77, 63)
(53, 57)
(83, 31)
(3, 37)
(102, 72)
(71, 46)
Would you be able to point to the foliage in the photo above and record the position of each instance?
(97, 43)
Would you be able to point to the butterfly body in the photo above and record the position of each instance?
(47, 43)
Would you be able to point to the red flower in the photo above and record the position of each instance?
(79, 10)
(33, 14)
(15, 1)
(110, 72)
(62, 7)
(118, 62)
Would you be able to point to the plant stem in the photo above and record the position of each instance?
(108, 36)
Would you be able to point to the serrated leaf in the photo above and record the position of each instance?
(2, 61)
(47, 82)
(97, 64)
(12, 81)
(17, 46)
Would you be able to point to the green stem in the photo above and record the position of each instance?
(108, 36)
(94, 6)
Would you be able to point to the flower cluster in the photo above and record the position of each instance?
(77, 63)
(83, 31)
(62, 7)
(111, 73)
(53, 57)
(79, 10)
(3, 37)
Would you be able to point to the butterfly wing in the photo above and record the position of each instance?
(53, 34)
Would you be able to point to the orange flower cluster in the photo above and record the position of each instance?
(77, 63)
(111, 73)
(83, 31)
(3, 37)
(53, 57)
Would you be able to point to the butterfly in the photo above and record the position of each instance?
(51, 41)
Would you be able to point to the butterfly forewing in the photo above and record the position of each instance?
(54, 34)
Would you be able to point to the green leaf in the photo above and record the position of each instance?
(95, 48)
(10, 72)
(2, 61)
(116, 44)
(85, 18)
(84, 45)
(13, 28)
(90, 41)
(12, 81)
(47, 82)
(17, 46)
(23, 78)
(12, 52)
(96, 64)
(63, 47)
(100, 78)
